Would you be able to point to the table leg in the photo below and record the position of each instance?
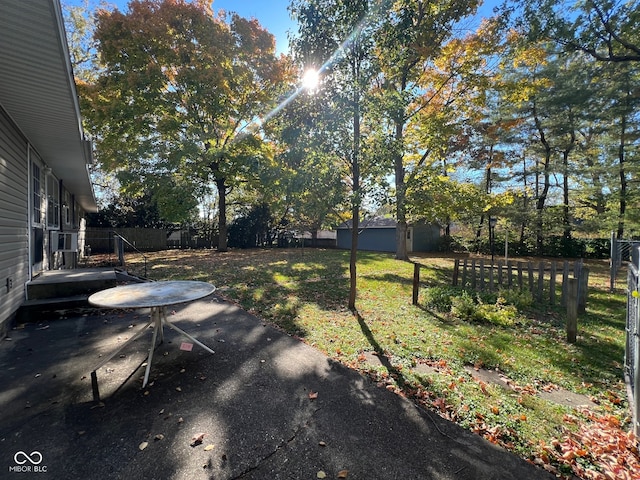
(171, 325)
(94, 377)
(161, 313)
(157, 318)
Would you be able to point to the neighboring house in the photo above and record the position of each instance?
(44, 181)
(379, 234)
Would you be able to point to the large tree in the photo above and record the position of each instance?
(335, 37)
(407, 43)
(607, 30)
(178, 94)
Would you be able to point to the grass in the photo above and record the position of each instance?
(305, 292)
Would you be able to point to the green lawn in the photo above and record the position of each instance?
(423, 350)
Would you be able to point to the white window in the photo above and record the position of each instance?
(36, 182)
(66, 208)
(53, 202)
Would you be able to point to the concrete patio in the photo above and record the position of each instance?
(264, 406)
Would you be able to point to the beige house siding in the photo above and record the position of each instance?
(14, 237)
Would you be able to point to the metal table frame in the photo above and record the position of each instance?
(157, 317)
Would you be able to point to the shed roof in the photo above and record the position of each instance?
(374, 222)
(38, 91)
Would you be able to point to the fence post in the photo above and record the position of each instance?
(540, 281)
(456, 271)
(520, 276)
(499, 274)
(464, 274)
(416, 282)
(473, 274)
(565, 283)
(583, 287)
(572, 310)
(552, 284)
(482, 274)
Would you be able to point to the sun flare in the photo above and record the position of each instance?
(310, 79)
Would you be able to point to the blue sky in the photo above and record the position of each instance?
(272, 14)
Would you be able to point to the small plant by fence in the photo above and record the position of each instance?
(545, 280)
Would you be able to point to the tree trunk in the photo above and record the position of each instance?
(566, 219)
(542, 196)
(222, 214)
(355, 202)
(401, 204)
(525, 204)
(622, 208)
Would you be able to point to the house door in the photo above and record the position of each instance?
(409, 239)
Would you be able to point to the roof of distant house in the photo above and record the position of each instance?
(373, 222)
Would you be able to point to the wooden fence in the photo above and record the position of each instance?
(100, 240)
(543, 279)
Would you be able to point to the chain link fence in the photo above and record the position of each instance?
(632, 350)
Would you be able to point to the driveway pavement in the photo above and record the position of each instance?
(264, 406)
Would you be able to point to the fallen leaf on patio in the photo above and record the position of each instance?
(321, 474)
(203, 378)
(159, 437)
(343, 473)
(178, 389)
(180, 420)
(322, 444)
(313, 395)
(197, 439)
(143, 445)
(208, 447)
(161, 412)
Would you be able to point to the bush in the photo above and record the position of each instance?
(497, 314)
(463, 306)
(521, 299)
(439, 298)
(477, 309)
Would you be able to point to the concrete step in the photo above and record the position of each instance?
(70, 283)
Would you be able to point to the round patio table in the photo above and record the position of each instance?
(156, 296)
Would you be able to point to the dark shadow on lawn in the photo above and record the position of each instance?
(384, 359)
(436, 315)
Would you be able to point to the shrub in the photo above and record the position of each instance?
(495, 311)
(521, 299)
(497, 314)
(439, 298)
(463, 306)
